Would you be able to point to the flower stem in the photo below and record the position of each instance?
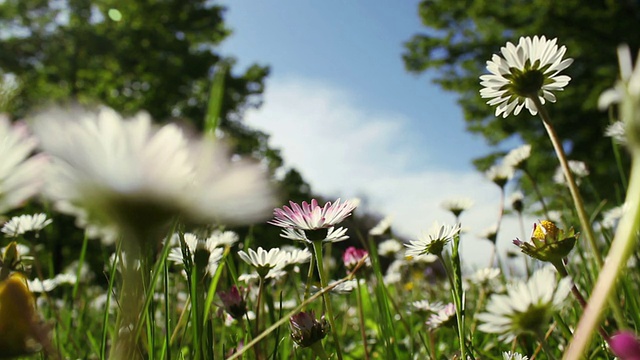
(318, 349)
(317, 249)
(458, 292)
(621, 248)
(363, 333)
(573, 188)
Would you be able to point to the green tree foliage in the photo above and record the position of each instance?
(463, 34)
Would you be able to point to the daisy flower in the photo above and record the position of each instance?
(527, 307)
(500, 174)
(352, 256)
(457, 206)
(205, 249)
(578, 168)
(518, 157)
(20, 174)
(389, 247)
(332, 235)
(446, 316)
(508, 355)
(528, 69)
(490, 233)
(611, 217)
(625, 345)
(306, 330)
(22, 224)
(516, 200)
(484, 276)
(426, 306)
(382, 227)
(432, 242)
(264, 261)
(136, 176)
(617, 131)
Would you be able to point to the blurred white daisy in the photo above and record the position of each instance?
(484, 276)
(528, 69)
(434, 241)
(223, 238)
(508, 355)
(22, 224)
(20, 173)
(298, 256)
(626, 93)
(518, 157)
(617, 131)
(46, 285)
(457, 205)
(611, 217)
(382, 226)
(490, 233)
(138, 176)
(516, 200)
(427, 306)
(578, 169)
(527, 307)
(500, 174)
(389, 247)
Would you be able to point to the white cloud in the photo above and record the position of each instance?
(345, 149)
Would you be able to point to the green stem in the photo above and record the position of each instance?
(318, 349)
(621, 248)
(458, 294)
(573, 188)
(363, 333)
(317, 249)
(536, 189)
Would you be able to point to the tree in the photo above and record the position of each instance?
(463, 35)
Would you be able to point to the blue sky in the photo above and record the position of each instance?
(343, 110)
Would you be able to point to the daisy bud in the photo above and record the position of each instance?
(625, 345)
(306, 330)
(352, 256)
(233, 302)
(548, 243)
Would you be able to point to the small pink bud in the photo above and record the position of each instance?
(625, 345)
(352, 256)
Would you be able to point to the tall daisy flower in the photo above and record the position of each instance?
(203, 251)
(457, 205)
(130, 173)
(433, 241)
(517, 158)
(306, 222)
(265, 261)
(20, 173)
(528, 69)
(527, 307)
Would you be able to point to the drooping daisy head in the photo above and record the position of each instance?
(433, 241)
(527, 307)
(457, 205)
(306, 330)
(136, 176)
(524, 71)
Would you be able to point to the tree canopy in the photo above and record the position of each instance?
(462, 35)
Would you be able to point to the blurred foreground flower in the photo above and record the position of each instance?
(548, 243)
(625, 345)
(527, 307)
(20, 175)
(528, 69)
(137, 176)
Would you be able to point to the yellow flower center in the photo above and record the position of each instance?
(546, 229)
